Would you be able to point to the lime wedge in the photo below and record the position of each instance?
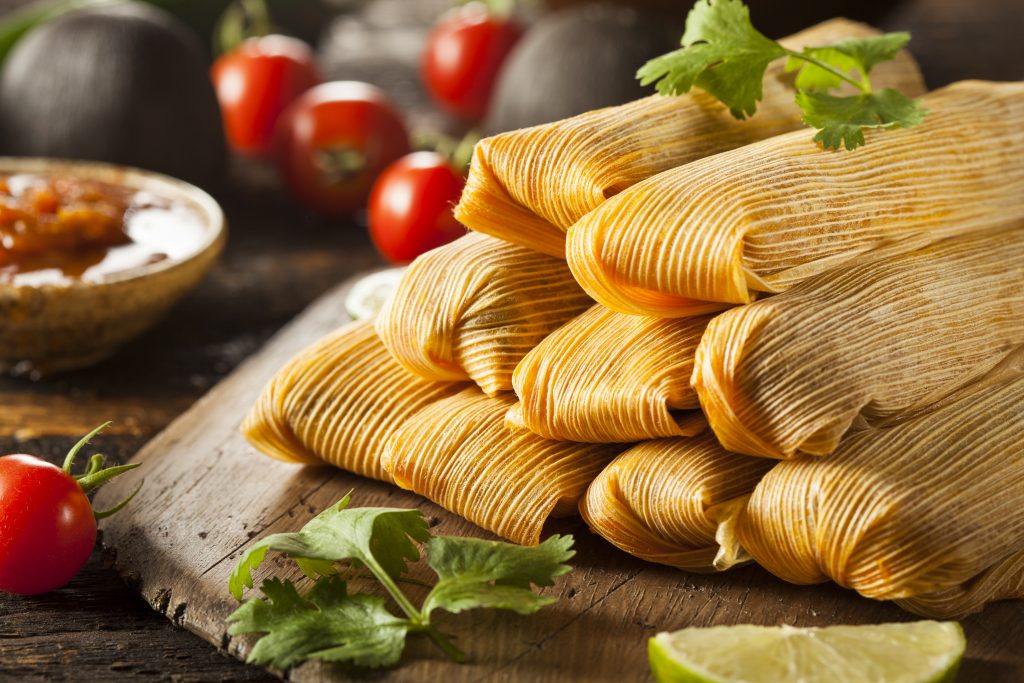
(916, 652)
(368, 294)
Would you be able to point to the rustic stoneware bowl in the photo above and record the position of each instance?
(49, 328)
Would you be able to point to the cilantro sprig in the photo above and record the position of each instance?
(725, 55)
(330, 623)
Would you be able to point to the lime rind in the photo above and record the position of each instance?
(916, 652)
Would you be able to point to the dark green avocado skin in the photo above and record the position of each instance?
(126, 84)
(576, 60)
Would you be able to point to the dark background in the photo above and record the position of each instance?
(277, 261)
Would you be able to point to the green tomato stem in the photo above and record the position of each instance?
(91, 482)
(95, 476)
(863, 85)
(70, 459)
(103, 514)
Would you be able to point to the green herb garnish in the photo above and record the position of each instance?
(330, 623)
(725, 55)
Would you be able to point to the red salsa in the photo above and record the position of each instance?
(59, 227)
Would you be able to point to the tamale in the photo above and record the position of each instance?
(473, 308)
(766, 216)
(664, 501)
(458, 453)
(886, 334)
(928, 510)
(1003, 581)
(607, 376)
(337, 402)
(528, 186)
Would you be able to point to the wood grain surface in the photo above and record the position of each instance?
(277, 261)
(210, 494)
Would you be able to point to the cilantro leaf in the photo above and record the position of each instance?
(722, 53)
(725, 55)
(810, 76)
(326, 624)
(841, 120)
(870, 51)
(477, 573)
(383, 539)
(854, 57)
(330, 624)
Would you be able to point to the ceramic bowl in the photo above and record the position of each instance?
(52, 327)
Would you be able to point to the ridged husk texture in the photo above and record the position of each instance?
(338, 402)
(927, 511)
(766, 216)
(888, 334)
(607, 376)
(459, 454)
(473, 308)
(664, 501)
(528, 186)
(1002, 581)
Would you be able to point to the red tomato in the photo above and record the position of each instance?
(334, 141)
(47, 528)
(464, 54)
(256, 82)
(411, 206)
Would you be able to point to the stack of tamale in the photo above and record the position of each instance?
(716, 342)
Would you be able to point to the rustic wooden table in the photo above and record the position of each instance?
(277, 261)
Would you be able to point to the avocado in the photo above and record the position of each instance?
(126, 84)
(575, 60)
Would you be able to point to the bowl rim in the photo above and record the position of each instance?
(210, 212)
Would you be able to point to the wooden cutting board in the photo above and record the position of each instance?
(208, 495)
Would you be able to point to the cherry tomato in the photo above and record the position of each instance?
(411, 206)
(334, 141)
(47, 528)
(47, 525)
(256, 82)
(464, 53)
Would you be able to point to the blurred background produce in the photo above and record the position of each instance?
(465, 52)
(123, 83)
(608, 41)
(255, 83)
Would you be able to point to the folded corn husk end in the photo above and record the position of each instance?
(458, 453)
(592, 267)
(607, 377)
(474, 307)
(674, 502)
(715, 361)
(271, 435)
(485, 206)
(913, 512)
(266, 426)
(1003, 581)
(338, 401)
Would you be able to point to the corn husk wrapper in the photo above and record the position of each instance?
(606, 377)
(672, 500)
(528, 186)
(1003, 581)
(473, 308)
(769, 215)
(459, 454)
(889, 334)
(927, 511)
(337, 402)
